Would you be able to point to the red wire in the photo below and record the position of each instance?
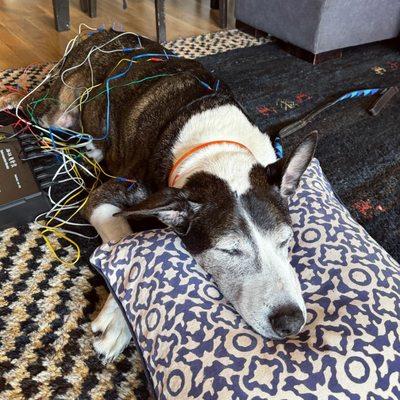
(15, 90)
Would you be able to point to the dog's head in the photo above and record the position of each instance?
(243, 240)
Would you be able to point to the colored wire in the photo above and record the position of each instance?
(91, 51)
(69, 146)
(297, 125)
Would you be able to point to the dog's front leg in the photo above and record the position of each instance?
(103, 204)
(110, 323)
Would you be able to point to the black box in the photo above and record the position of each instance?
(21, 199)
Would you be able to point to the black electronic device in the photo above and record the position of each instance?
(22, 195)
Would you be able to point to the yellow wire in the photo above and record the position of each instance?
(61, 235)
(87, 90)
(119, 62)
(54, 229)
(97, 170)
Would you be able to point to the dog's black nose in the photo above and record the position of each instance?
(287, 320)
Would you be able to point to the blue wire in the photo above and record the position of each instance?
(52, 137)
(132, 185)
(139, 56)
(295, 126)
(120, 179)
(72, 135)
(358, 93)
(278, 147)
(121, 75)
(75, 135)
(108, 106)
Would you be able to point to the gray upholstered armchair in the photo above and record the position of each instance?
(321, 26)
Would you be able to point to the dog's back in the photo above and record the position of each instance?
(142, 96)
(148, 104)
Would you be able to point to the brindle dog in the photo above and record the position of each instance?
(226, 197)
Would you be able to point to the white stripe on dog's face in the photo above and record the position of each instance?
(252, 268)
(276, 282)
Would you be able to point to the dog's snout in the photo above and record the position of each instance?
(287, 320)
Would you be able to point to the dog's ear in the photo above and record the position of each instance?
(171, 206)
(286, 172)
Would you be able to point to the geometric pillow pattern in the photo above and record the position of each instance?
(195, 346)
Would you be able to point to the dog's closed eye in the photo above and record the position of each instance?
(231, 252)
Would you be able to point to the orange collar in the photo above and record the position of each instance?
(174, 174)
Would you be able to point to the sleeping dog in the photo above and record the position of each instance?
(201, 167)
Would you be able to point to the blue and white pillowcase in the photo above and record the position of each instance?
(195, 346)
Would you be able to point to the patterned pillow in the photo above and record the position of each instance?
(195, 346)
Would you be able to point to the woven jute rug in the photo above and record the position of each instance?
(46, 307)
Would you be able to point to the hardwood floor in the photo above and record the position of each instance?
(28, 36)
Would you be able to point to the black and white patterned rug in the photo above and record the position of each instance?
(45, 308)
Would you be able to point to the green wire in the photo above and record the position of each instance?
(31, 109)
(128, 84)
(97, 95)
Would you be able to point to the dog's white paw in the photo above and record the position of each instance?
(115, 334)
(94, 152)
